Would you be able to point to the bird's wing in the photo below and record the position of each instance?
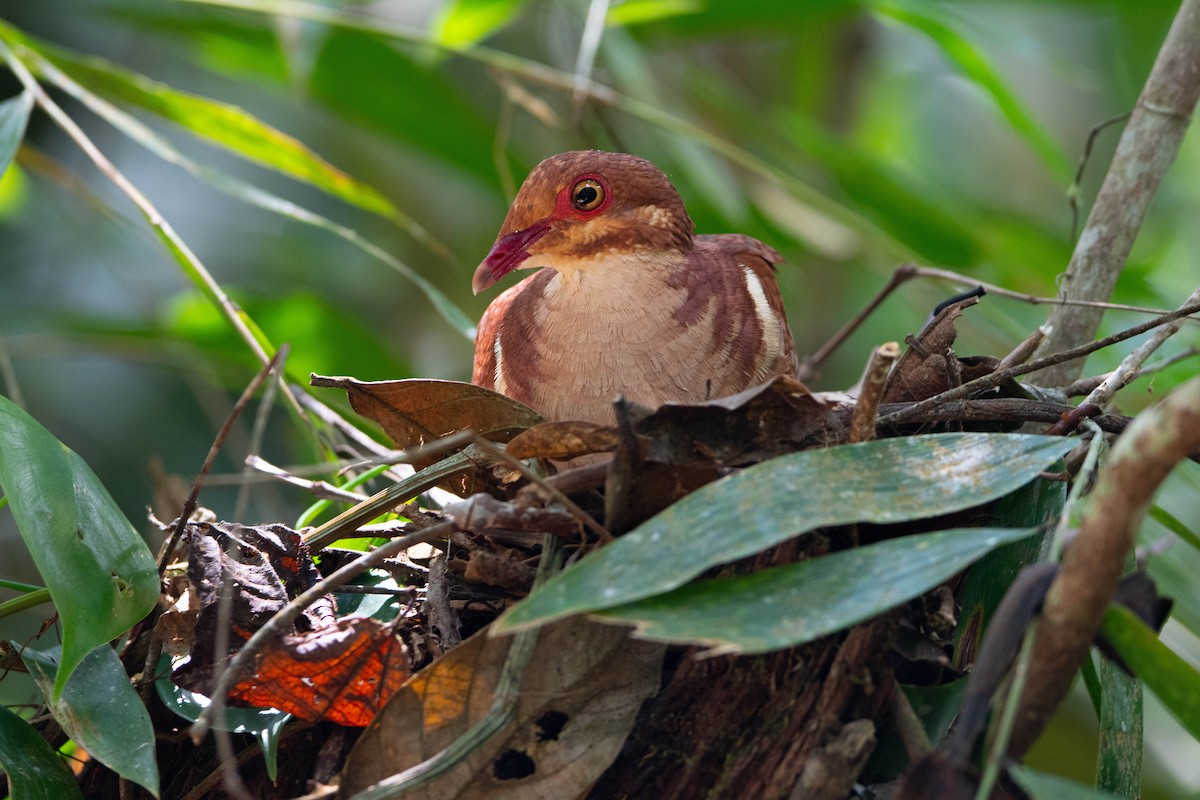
(747, 267)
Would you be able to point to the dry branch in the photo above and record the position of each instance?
(1091, 567)
(1146, 150)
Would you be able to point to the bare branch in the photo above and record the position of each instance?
(1140, 460)
(1146, 150)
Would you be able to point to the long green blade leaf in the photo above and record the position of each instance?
(35, 772)
(100, 573)
(1174, 680)
(227, 126)
(101, 712)
(976, 67)
(797, 603)
(235, 187)
(883, 481)
(14, 116)
(1044, 786)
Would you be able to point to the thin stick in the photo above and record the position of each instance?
(320, 489)
(1000, 376)
(811, 364)
(862, 421)
(1130, 367)
(189, 505)
(1032, 299)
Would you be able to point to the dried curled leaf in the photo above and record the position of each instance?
(418, 411)
(570, 720)
(563, 440)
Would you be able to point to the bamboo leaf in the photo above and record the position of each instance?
(14, 116)
(798, 603)
(881, 481)
(464, 22)
(1174, 680)
(972, 62)
(1044, 786)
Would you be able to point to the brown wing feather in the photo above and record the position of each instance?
(728, 255)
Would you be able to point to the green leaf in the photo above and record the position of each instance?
(264, 724)
(1034, 504)
(14, 116)
(99, 571)
(1175, 525)
(464, 22)
(248, 193)
(893, 480)
(798, 603)
(101, 712)
(1044, 786)
(976, 68)
(1174, 680)
(34, 770)
(222, 124)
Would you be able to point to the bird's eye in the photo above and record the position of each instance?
(587, 195)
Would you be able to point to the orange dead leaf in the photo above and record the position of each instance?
(343, 674)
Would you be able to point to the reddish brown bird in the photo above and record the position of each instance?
(630, 302)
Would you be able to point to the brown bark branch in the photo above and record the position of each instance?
(1146, 150)
(1091, 567)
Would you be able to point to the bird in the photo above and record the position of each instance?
(629, 301)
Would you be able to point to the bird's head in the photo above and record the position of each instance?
(579, 208)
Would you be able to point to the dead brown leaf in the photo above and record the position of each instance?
(418, 411)
(563, 440)
(571, 717)
(764, 421)
(929, 366)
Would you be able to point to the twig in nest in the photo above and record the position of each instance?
(1022, 352)
(862, 421)
(1000, 376)
(1130, 366)
(498, 452)
(320, 489)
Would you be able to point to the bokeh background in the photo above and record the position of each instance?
(851, 136)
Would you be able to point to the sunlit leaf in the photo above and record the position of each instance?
(14, 116)
(882, 481)
(253, 195)
(34, 771)
(222, 124)
(99, 571)
(101, 712)
(465, 22)
(1169, 676)
(794, 604)
(976, 67)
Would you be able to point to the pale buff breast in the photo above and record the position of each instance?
(611, 329)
